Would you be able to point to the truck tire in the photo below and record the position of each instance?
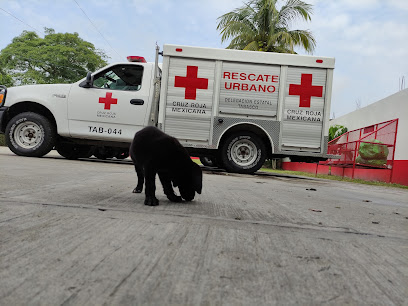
(243, 152)
(30, 134)
(73, 150)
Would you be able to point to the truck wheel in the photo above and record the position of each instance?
(243, 152)
(73, 150)
(30, 134)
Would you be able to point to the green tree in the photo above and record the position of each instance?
(56, 58)
(5, 79)
(336, 130)
(260, 26)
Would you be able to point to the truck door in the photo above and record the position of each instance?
(303, 109)
(115, 107)
(190, 100)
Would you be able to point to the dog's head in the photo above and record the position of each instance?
(190, 182)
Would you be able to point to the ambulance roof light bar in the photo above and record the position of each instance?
(134, 59)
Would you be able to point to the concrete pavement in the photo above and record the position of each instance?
(73, 233)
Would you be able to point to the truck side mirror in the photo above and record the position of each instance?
(88, 83)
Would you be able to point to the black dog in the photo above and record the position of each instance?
(153, 151)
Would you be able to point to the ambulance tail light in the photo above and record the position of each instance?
(179, 50)
(3, 93)
(319, 61)
(139, 59)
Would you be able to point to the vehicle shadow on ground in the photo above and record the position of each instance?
(206, 169)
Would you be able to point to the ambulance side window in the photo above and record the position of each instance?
(120, 77)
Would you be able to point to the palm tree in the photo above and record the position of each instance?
(260, 26)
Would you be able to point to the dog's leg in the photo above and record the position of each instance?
(140, 179)
(150, 188)
(168, 188)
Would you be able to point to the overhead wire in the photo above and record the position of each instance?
(36, 30)
(19, 20)
(120, 56)
(33, 60)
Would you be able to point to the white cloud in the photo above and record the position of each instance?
(368, 38)
(400, 4)
(359, 4)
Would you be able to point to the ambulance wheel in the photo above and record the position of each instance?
(30, 134)
(73, 150)
(243, 152)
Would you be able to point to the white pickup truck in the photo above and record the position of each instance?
(229, 107)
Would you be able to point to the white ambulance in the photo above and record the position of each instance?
(229, 107)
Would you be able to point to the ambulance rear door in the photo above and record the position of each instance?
(188, 99)
(304, 111)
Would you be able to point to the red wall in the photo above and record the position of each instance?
(398, 176)
(305, 167)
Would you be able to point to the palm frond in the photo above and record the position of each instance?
(303, 39)
(232, 23)
(252, 46)
(258, 25)
(292, 10)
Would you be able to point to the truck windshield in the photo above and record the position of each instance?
(120, 77)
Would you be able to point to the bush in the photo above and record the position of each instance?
(373, 153)
(371, 162)
(374, 149)
(2, 140)
(336, 130)
(275, 163)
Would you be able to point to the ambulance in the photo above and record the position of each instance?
(231, 108)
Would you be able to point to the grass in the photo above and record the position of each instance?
(322, 176)
(325, 176)
(333, 178)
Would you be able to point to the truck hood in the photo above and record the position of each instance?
(37, 93)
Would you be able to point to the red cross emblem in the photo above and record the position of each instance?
(108, 100)
(191, 82)
(305, 90)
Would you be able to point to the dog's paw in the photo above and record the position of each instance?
(137, 189)
(151, 201)
(174, 198)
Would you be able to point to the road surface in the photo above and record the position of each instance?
(73, 233)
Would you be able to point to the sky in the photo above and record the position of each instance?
(368, 38)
